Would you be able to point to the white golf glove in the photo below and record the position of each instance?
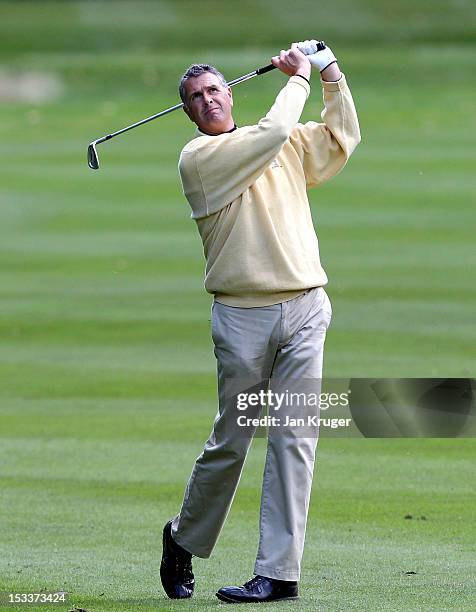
(320, 59)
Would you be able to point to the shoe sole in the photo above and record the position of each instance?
(226, 599)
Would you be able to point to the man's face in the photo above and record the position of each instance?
(209, 103)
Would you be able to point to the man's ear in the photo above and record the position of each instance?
(230, 93)
(187, 112)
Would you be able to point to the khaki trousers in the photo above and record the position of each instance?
(283, 342)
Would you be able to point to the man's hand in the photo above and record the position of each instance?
(324, 60)
(293, 62)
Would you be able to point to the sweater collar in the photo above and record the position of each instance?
(199, 132)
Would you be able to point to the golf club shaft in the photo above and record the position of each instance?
(245, 77)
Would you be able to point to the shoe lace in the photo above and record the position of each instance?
(253, 582)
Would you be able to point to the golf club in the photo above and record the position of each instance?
(93, 159)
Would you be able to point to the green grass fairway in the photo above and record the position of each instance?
(107, 375)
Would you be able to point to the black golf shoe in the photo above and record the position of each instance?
(259, 589)
(176, 567)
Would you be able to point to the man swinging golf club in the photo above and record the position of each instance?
(247, 190)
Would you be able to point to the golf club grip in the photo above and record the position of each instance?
(320, 46)
(265, 69)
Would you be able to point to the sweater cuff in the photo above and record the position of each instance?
(335, 85)
(301, 76)
(302, 82)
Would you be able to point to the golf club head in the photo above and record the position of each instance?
(93, 159)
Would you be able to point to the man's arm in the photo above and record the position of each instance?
(215, 170)
(331, 73)
(324, 148)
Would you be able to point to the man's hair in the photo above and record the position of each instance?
(196, 70)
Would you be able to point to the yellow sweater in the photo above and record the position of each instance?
(247, 190)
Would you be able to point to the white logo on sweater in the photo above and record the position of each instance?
(275, 164)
